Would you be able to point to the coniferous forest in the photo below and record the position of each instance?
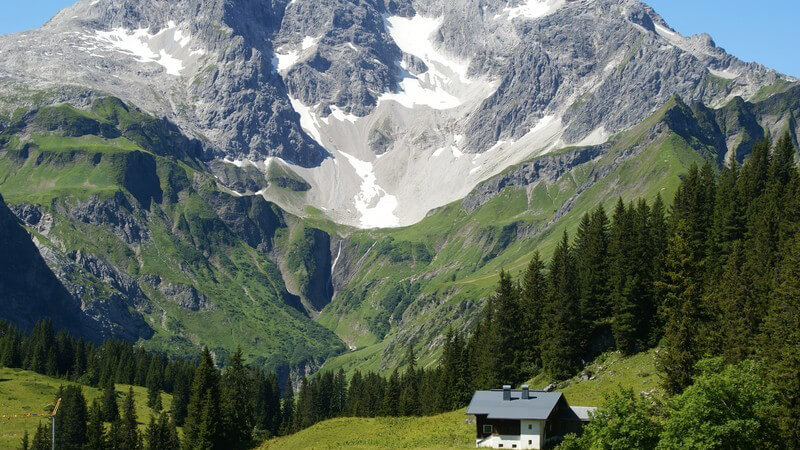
(712, 281)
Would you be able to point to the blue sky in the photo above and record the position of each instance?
(759, 31)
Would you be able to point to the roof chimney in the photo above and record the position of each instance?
(506, 392)
(526, 392)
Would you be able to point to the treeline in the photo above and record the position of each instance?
(220, 409)
(718, 275)
(61, 355)
(414, 392)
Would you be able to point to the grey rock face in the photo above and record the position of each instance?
(216, 80)
(185, 296)
(116, 213)
(546, 169)
(242, 75)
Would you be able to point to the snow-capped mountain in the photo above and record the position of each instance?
(387, 108)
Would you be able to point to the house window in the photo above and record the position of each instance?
(530, 441)
(487, 429)
(513, 445)
(500, 445)
(530, 427)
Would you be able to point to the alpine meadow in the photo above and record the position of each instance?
(371, 224)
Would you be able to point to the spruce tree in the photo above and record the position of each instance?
(391, 395)
(734, 329)
(727, 222)
(236, 403)
(780, 342)
(482, 356)
(682, 313)
(203, 416)
(128, 437)
(71, 418)
(25, 444)
(181, 395)
(659, 235)
(506, 340)
(560, 340)
(109, 406)
(161, 434)
(624, 278)
(591, 260)
(533, 295)
(95, 429)
(41, 439)
(409, 393)
(287, 410)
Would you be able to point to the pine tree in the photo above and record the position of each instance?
(202, 421)
(109, 405)
(506, 338)
(591, 260)
(624, 278)
(24, 445)
(533, 295)
(129, 428)
(560, 340)
(181, 395)
(482, 356)
(287, 411)
(734, 330)
(391, 395)
(659, 243)
(95, 429)
(727, 221)
(71, 418)
(304, 411)
(161, 434)
(236, 410)
(41, 439)
(409, 404)
(682, 313)
(780, 343)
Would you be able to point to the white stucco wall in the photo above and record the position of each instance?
(532, 435)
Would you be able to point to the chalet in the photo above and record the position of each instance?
(507, 418)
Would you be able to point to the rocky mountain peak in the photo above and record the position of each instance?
(402, 105)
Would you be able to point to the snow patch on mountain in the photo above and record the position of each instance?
(444, 85)
(308, 120)
(163, 48)
(532, 9)
(372, 202)
(726, 74)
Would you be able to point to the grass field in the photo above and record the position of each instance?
(445, 431)
(451, 430)
(23, 392)
(606, 374)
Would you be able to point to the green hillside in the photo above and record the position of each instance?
(445, 431)
(23, 392)
(418, 280)
(607, 374)
(152, 242)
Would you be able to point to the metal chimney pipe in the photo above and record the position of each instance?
(506, 392)
(526, 393)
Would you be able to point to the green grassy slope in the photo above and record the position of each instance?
(605, 375)
(23, 392)
(445, 431)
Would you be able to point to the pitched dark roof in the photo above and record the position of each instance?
(538, 407)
